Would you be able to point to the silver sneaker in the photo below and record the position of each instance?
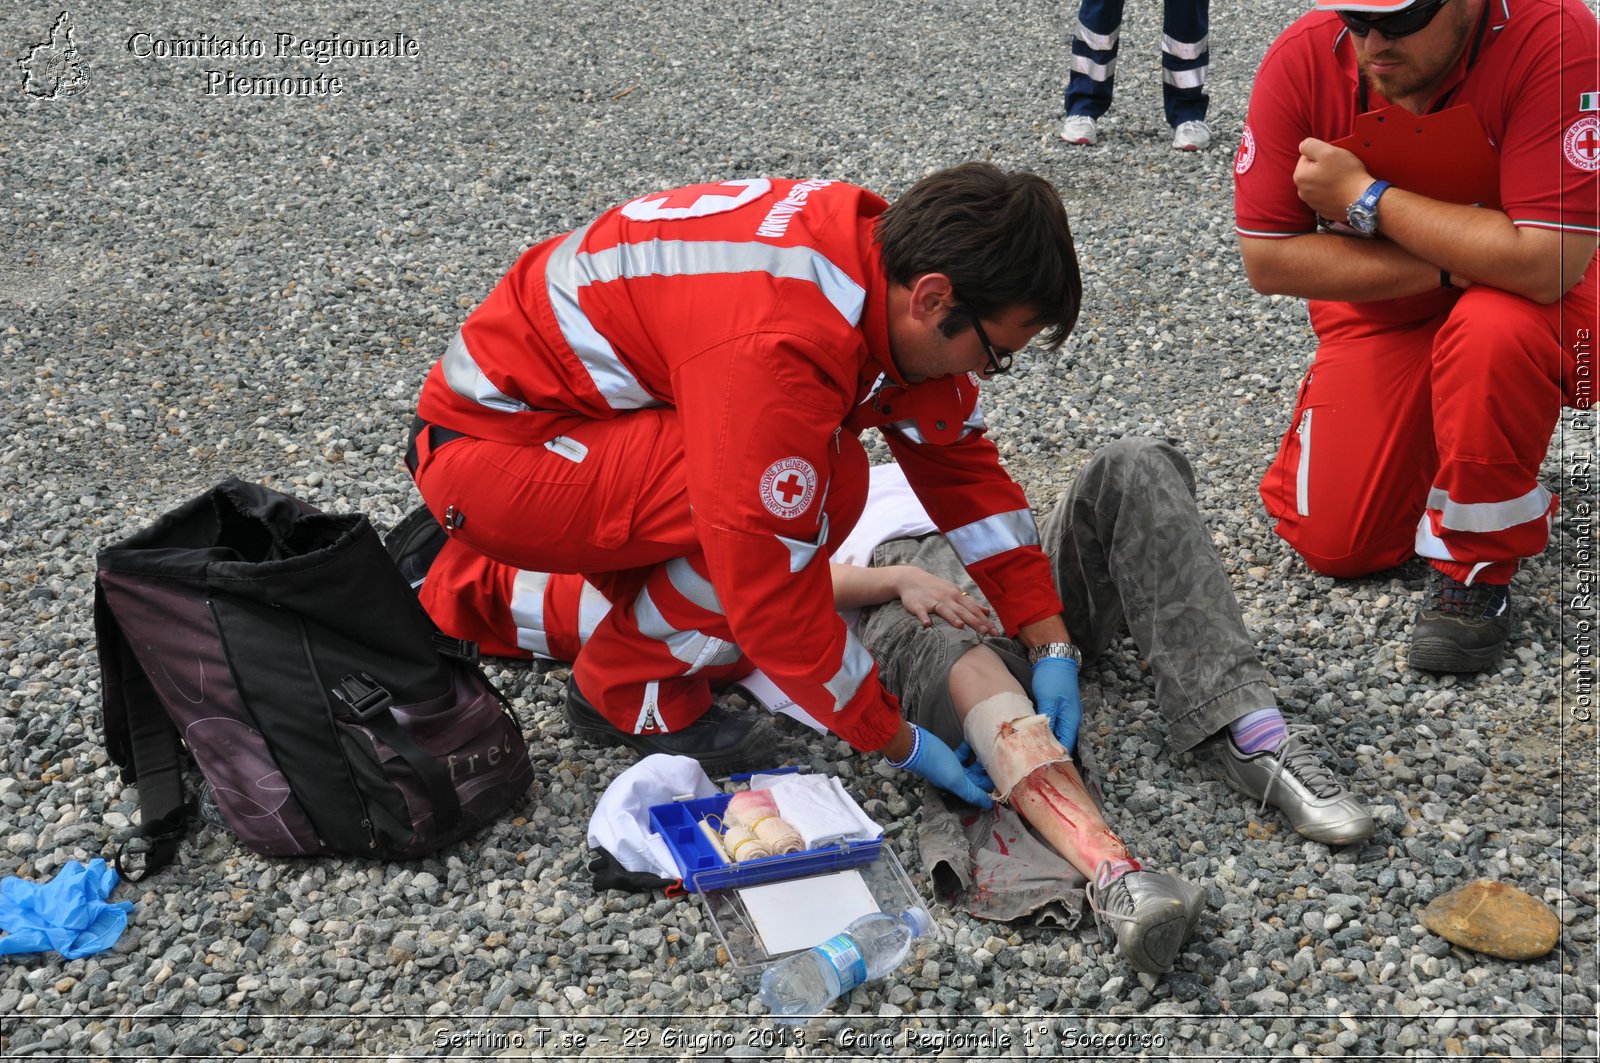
(1296, 780)
(1152, 916)
(1194, 904)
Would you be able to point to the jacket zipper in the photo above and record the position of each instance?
(1302, 476)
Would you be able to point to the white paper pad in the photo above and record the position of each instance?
(799, 913)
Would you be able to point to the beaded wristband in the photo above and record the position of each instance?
(916, 745)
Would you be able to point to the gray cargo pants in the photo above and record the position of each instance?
(1126, 543)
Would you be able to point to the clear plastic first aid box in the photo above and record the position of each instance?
(767, 908)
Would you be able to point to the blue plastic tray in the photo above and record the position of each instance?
(703, 870)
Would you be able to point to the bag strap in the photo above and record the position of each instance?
(362, 699)
(152, 743)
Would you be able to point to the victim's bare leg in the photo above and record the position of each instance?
(1051, 797)
(1153, 914)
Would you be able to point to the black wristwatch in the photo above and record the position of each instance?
(1362, 215)
(1054, 649)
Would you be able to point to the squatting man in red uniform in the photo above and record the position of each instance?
(667, 402)
(1449, 336)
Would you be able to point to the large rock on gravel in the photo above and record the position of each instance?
(1492, 917)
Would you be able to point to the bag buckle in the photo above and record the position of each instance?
(463, 650)
(363, 696)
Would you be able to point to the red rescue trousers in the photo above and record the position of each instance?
(604, 503)
(1420, 428)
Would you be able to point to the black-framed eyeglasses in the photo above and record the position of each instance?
(999, 361)
(1393, 27)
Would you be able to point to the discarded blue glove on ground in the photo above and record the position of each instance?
(69, 914)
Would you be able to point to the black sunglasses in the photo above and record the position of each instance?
(999, 361)
(1393, 27)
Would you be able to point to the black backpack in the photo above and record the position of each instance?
(280, 646)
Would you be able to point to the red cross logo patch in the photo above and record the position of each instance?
(1245, 157)
(788, 486)
(1582, 143)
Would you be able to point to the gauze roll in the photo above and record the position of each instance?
(757, 812)
(743, 845)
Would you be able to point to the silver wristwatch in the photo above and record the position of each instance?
(1362, 215)
(1054, 649)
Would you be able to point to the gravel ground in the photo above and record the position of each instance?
(202, 285)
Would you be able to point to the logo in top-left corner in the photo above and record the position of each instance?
(53, 68)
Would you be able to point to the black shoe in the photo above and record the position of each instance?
(722, 741)
(414, 543)
(1462, 628)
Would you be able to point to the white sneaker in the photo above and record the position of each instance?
(1078, 129)
(1190, 136)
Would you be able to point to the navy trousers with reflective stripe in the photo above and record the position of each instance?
(1185, 27)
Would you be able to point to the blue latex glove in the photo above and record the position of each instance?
(938, 763)
(68, 914)
(1055, 694)
(976, 772)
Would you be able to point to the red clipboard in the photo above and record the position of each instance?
(1444, 156)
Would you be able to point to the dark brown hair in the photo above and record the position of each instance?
(1002, 239)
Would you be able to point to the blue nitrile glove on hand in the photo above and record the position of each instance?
(1055, 694)
(938, 763)
(976, 772)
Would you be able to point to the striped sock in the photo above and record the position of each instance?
(1262, 729)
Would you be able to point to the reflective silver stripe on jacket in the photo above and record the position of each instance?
(994, 535)
(569, 271)
(527, 611)
(564, 276)
(853, 671)
(973, 423)
(1489, 516)
(1428, 544)
(681, 258)
(461, 372)
(693, 586)
(802, 552)
(592, 608)
(694, 648)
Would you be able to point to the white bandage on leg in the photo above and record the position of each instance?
(983, 722)
(1011, 740)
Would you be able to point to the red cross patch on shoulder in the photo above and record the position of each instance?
(1245, 157)
(1582, 143)
(788, 486)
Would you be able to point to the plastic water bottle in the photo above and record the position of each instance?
(803, 984)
